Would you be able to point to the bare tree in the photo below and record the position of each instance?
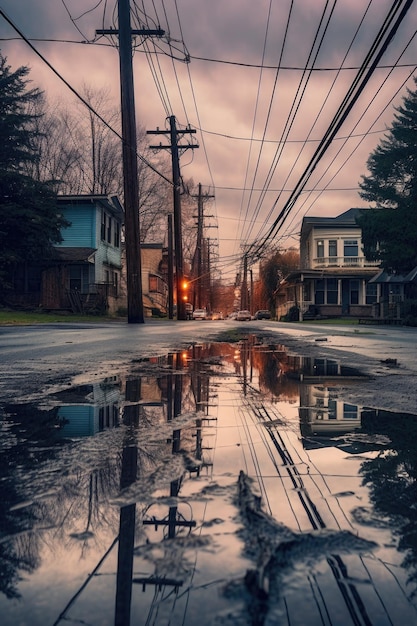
(59, 160)
(101, 146)
(189, 221)
(155, 193)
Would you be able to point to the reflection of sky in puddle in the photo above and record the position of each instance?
(135, 478)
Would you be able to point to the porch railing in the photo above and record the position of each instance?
(343, 261)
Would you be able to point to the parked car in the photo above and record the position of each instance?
(188, 311)
(217, 315)
(243, 316)
(263, 314)
(200, 314)
(232, 316)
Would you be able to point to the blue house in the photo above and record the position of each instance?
(84, 274)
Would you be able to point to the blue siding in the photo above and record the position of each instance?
(78, 420)
(82, 232)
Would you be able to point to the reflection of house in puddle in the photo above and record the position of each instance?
(279, 372)
(321, 414)
(312, 369)
(78, 418)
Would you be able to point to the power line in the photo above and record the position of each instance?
(75, 92)
(301, 90)
(189, 57)
(379, 46)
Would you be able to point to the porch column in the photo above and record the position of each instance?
(300, 315)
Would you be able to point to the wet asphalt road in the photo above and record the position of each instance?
(317, 533)
(34, 356)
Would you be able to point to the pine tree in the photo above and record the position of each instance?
(389, 230)
(29, 220)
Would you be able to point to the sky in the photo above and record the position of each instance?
(260, 82)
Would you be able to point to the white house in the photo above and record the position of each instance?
(333, 279)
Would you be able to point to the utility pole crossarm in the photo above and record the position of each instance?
(172, 135)
(114, 31)
(186, 131)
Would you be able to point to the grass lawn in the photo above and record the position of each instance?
(16, 318)
(335, 321)
(9, 317)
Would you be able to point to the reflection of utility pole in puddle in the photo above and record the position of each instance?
(174, 520)
(172, 389)
(184, 388)
(127, 513)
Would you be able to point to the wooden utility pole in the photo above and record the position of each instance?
(130, 165)
(244, 288)
(170, 270)
(176, 179)
(199, 245)
(200, 229)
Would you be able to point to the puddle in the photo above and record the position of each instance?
(223, 484)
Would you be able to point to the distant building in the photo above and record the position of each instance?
(154, 269)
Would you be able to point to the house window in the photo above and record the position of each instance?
(332, 410)
(156, 284)
(116, 235)
(350, 247)
(371, 293)
(320, 249)
(107, 230)
(332, 291)
(332, 249)
(354, 292)
(78, 278)
(307, 292)
(153, 283)
(319, 293)
(109, 220)
(350, 411)
(319, 367)
(103, 225)
(327, 291)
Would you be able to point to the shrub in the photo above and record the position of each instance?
(293, 314)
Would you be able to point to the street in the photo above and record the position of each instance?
(32, 356)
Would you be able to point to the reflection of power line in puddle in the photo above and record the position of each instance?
(172, 522)
(339, 569)
(63, 614)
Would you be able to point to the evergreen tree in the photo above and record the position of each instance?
(389, 230)
(29, 221)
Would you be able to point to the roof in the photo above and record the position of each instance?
(384, 277)
(346, 219)
(110, 203)
(73, 255)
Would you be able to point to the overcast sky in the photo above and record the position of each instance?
(242, 112)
